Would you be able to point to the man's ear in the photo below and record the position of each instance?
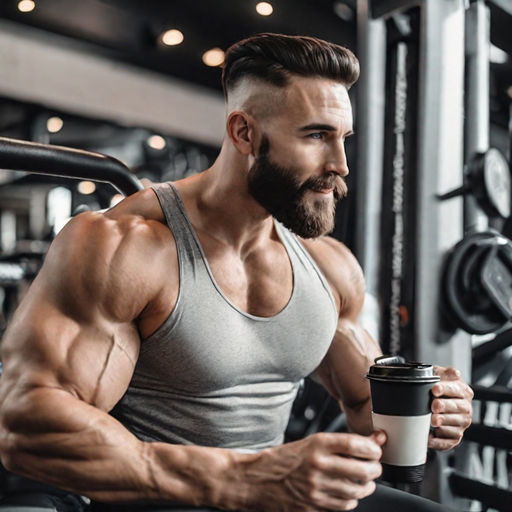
(240, 129)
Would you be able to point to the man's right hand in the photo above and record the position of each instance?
(325, 471)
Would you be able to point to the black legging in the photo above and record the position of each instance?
(383, 499)
(43, 499)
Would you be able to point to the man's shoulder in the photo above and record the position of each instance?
(135, 222)
(143, 204)
(120, 258)
(332, 256)
(341, 269)
(326, 246)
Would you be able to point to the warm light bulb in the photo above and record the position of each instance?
(116, 198)
(156, 142)
(86, 187)
(344, 11)
(172, 37)
(54, 124)
(213, 57)
(26, 6)
(264, 9)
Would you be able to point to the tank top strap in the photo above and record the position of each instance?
(190, 255)
(304, 262)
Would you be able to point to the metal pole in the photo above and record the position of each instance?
(477, 101)
(370, 128)
(440, 169)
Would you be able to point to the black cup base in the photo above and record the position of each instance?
(402, 474)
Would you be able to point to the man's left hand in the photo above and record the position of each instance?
(451, 409)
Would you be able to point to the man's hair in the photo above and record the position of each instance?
(274, 58)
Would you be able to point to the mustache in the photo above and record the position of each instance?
(332, 180)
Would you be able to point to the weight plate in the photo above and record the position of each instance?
(497, 181)
(467, 303)
(472, 292)
(496, 277)
(490, 182)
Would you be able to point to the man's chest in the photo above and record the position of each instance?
(260, 284)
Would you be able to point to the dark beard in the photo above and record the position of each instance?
(278, 190)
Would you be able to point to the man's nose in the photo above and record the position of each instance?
(337, 160)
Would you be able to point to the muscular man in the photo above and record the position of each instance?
(156, 357)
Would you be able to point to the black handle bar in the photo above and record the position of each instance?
(32, 157)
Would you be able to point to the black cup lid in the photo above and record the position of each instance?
(396, 368)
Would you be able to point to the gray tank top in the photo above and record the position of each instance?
(214, 375)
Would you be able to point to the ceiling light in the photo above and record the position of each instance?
(54, 124)
(156, 142)
(116, 198)
(343, 11)
(264, 8)
(26, 6)
(497, 55)
(213, 57)
(86, 187)
(172, 37)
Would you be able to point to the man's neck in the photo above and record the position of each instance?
(218, 202)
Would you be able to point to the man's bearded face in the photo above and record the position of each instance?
(279, 190)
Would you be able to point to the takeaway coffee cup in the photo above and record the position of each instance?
(401, 398)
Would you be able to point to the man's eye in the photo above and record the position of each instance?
(316, 135)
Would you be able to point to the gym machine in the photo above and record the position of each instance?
(430, 238)
(61, 161)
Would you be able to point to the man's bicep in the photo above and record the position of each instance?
(343, 370)
(63, 334)
(343, 373)
(46, 347)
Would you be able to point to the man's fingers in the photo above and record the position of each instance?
(451, 409)
(452, 388)
(453, 420)
(341, 469)
(352, 445)
(439, 442)
(356, 470)
(379, 436)
(339, 492)
(436, 443)
(447, 373)
(451, 384)
(448, 433)
(347, 489)
(451, 406)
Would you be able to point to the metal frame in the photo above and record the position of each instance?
(440, 163)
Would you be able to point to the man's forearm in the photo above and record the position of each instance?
(359, 417)
(208, 476)
(53, 437)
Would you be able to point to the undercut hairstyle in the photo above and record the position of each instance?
(275, 58)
